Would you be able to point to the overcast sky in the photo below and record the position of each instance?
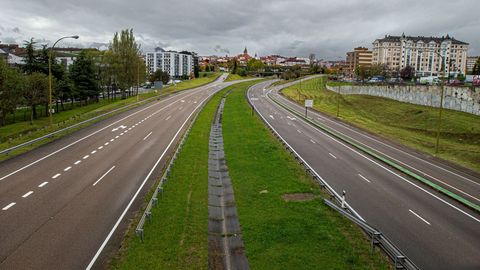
(293, 28)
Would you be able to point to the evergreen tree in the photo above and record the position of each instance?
(83, 76)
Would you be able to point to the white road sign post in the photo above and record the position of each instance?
(308, 104)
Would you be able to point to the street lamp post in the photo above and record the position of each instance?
(442, 90)
(50, 105)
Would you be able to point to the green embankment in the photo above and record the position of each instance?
(236, 77)
(22, 131)
(277, 234)
(280, 234)
(408, 124)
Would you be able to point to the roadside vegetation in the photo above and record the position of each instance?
(404, 123)
(277, 234)
(281, 234)
(236, 77)
(24, 130)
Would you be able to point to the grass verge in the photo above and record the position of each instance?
(236, 77)
(280, 234)
(177, 235)
(404, 123)
(20, 132)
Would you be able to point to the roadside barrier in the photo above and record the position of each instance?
(377, 238)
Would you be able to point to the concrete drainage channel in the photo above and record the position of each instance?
(225, 244)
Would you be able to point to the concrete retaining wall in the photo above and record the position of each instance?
(465, 99)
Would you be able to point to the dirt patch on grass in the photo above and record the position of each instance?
(298, 197)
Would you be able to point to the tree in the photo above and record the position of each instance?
(196, 71)
(407, 73)
(10, 91)
(476, 67)
(83, 76)
(360, 72)
(160, 75)
(311, 58)
(255, 65)
(125, 51)
(35, 92)
(234, 66)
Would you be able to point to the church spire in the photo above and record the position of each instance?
(245, 51)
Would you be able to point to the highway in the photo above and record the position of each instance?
(67, 204)
(434, 231)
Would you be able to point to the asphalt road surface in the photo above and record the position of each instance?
(66, 204)
(434, 231)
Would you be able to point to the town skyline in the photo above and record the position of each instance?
(293, 29)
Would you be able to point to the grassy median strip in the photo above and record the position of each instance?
(409, 124)
(20, 132)
(177, 235)
(284, 222)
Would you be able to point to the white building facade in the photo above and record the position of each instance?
(176, 64)
(426, 55)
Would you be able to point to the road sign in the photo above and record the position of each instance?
(309, 103)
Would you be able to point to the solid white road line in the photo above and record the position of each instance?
(392, 172)
(105, 174)
(148, 135)
(8, 206)
(95, 132)
(27, 194)
(168, 117)
(363, 177)
(67, 168)
(418, 216)
(56, 175)
(332, 155)
(43, 184)
(104, 243)
(86, 156)
(77, 162)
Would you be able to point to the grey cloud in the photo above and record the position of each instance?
(326, 28)
(16, 30)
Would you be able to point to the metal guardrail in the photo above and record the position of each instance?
(147, 214)
(377, 238)
(50, 135)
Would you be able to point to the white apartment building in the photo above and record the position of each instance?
(176, 64)
(424, 54)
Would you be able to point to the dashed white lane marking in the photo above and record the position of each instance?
(67, 168)
(100, 147)
(271, 116)
(418, 216)
(312, 141)
(180, 108)
(77, 162)
(148, 135)
(86, 156)
(363, 177)
(105, 174)
(129, 128)
(107, 143)
(116, 137)
(43, 184)
(27, 194)
(299, 131)
(121, 134)
(8, 206)
(112, 140)
(332, 155)
(56, 175)
(93, 152)
(168, 117)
